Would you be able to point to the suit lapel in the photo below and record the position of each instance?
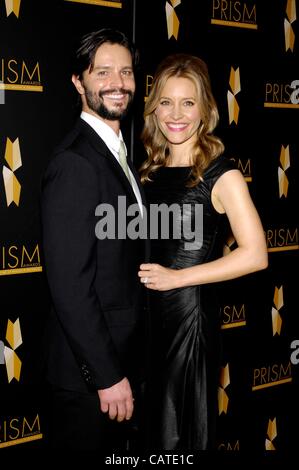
(103, 151)
(137, 179)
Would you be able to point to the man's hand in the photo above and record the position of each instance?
(117, 400)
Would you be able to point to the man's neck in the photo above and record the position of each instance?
(115, 125)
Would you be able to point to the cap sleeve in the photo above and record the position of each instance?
(217, 168)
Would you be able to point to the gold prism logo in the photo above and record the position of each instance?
(283, 182)
(233, 316)
(282, 238)
(271, 434)
(245, 167)
(15, 430)
(278, 304)
(102, 3)
(235, 88)
(289, 35)
(13, 6)
(234, 13)
(8, 355)
(14, 161)
(222, 395)
(173, 23)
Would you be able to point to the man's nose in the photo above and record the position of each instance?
(117, 79)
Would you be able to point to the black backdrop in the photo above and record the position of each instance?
(244, 39)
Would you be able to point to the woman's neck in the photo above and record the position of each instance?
(179, 155)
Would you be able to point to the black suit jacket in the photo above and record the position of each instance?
(95, 331)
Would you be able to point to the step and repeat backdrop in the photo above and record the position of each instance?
(252, 51)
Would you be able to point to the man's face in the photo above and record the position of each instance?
(109, 88)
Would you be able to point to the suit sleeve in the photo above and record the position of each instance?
(70, 194)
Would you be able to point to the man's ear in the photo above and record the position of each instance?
(78, 84)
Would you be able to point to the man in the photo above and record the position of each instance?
(94, 333)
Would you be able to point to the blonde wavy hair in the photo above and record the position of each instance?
(208, 146)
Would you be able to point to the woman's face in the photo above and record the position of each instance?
(178, 111)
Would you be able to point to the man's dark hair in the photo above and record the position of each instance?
(88, 45)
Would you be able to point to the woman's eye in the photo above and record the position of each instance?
(189, 103)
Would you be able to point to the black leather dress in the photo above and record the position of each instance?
(185, 340)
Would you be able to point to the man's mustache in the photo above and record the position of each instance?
(115, 90)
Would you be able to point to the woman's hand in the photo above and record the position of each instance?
(154, 276)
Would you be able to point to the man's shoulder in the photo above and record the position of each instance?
(73, 146)
(68, 160)
(70, 141)
(81, 140)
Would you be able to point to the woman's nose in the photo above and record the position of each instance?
(176, 111)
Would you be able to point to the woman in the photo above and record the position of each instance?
(186, 167)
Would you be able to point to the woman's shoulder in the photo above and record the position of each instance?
(218, 167)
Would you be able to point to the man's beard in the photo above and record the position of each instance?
(96, 103)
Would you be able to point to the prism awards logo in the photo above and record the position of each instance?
(19, 260)
(148, 84)
(19, 430)
(8, 356)
(14, 161)
(245, 167)
(234, 13)
(283, 182)
(235, 86)
(102, 3)
(278, 304)
(289, 35)
(233, 316)
(271, 375)
(229, 446)
(271, 434)
(282, 95)
(222, 395)
(12, 6)
(282, 239)
(20, 75)
(172, 20)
